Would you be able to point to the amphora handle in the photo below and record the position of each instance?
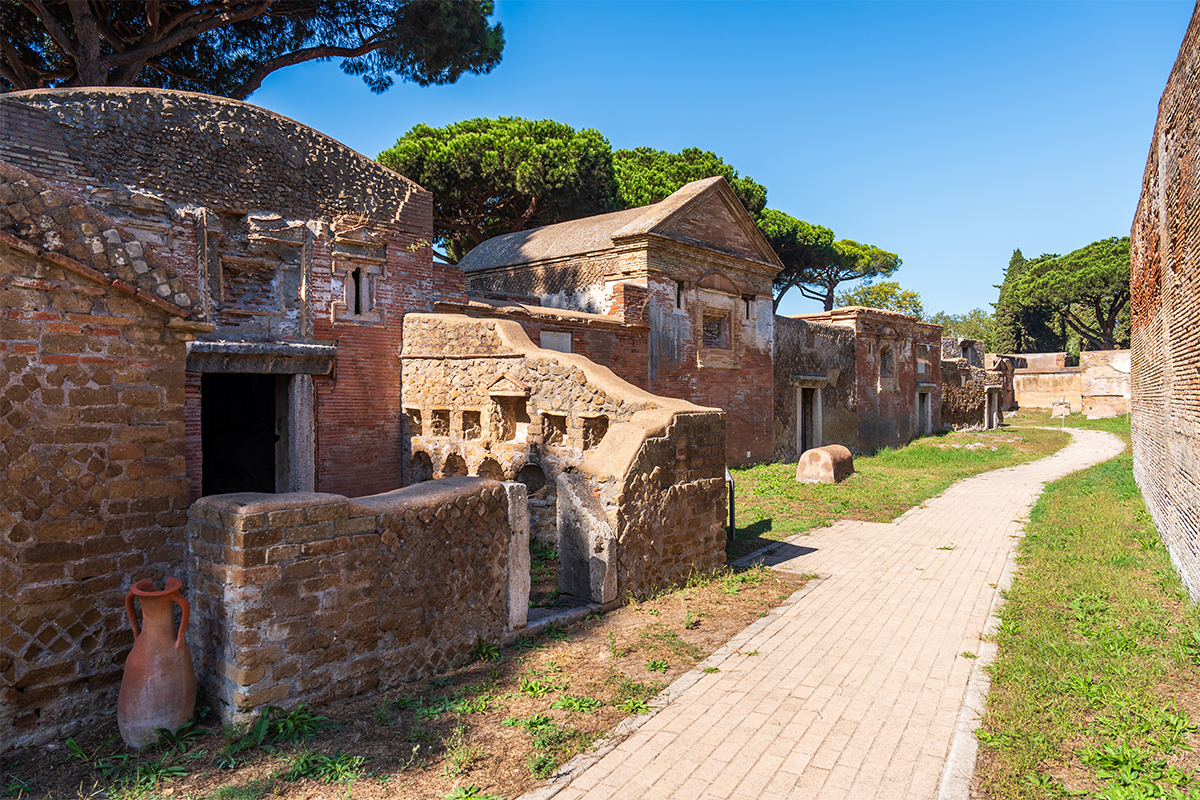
(186, 608)
(146, 588)
(137, 630)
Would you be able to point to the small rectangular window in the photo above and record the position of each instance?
(439, 423)
(412, 421)
(471, 425)
(716, 331)
(594, 429)
(678, 294)
(748, 301)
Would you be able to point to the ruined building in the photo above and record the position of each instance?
(1165, 288)
(859, 377)
(219, 362)
(972, 395)
(689, 277)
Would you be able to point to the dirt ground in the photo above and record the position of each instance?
(495, 728)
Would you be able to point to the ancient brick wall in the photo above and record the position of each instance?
(93, 491)
(970, 349)
(577, 282)
(481, 399)
(1034, 388)
(263, 239)
(1165, 287)
(311, 598)
(672, 513)
(738, 373)
(622, 346)
(897, 359)
(814, 350)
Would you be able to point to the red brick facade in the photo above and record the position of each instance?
(692, 274)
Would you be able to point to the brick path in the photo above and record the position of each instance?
(856, 687)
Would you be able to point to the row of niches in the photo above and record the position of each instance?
(423, 467)
(507, 419)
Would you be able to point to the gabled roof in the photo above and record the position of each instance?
(666, 218)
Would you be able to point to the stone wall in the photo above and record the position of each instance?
(965, 390)
(815, 350)
(481, 399)
(969, 349)
(274, 233)
(1165, 287)
(1005, 365)
(576, 282)
(93, 491)
(1037, 389)
(618, 340)
(1104, 382)
(311, 598)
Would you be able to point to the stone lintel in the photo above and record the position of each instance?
(279, 358)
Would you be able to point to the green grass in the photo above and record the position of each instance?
(771, 505)
(1099, 651)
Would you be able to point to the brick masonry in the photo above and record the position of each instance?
(93, 490)
(316, 597)
(260, 243)
(668, 270)
(890, 359)
(1165, 288)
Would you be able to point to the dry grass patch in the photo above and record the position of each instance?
(494, 728)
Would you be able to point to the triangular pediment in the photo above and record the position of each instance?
(508, 386)
(708, 214)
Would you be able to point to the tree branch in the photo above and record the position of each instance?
(87, 60)
(1078, 326)
(144, 53)
(51, 24)
(17, 77)
(298, 57)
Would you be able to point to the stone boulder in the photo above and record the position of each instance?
(828, 464)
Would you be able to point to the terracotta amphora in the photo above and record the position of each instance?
(158, 689)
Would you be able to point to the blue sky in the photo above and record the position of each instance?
(947, 132)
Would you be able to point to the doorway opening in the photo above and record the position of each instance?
(238, 432)
(808, 418)
(924, 414)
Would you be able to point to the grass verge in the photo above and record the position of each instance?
(771, 505)
(1094, 687)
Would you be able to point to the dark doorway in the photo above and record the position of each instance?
(237, 432)
(807, 400)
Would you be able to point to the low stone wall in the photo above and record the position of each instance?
(309, 597)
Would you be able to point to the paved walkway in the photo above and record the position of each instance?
(856, 688)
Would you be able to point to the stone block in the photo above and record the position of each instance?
(518, 581)
(828, 464)
(587, 545)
